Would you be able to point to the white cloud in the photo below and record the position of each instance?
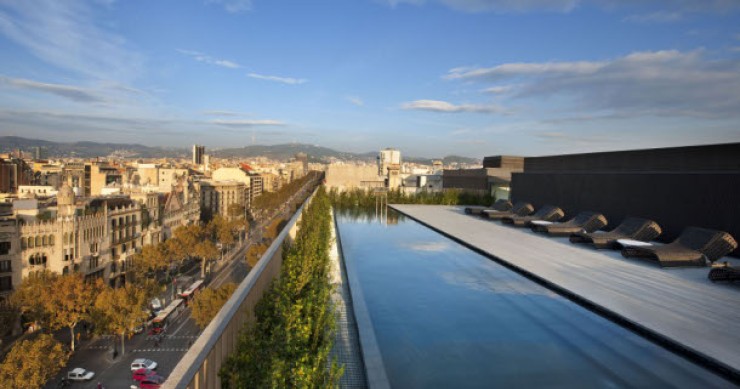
(498, 5)
(498, 90)
(75, 93)
(510, 70)
(233, 6)
(355, 100)
(283, 80)
(247, 122)
(656, 17)
(664, 83)
(443, 106)
(69, 34)
(564, 6)
(198, 56)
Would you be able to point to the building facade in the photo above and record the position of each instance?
(217, 196)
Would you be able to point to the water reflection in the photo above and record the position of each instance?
(445, 316)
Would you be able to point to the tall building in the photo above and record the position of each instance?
(389, 165)
(198, 153)
(14, 172)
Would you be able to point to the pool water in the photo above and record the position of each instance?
(447, 317)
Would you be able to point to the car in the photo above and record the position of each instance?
(80, 374)
(151, 383)
(143, 363)
(142, 374)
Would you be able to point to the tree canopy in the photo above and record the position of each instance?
(58, 301)
(208, 302)
(120, 310)
(31, 363)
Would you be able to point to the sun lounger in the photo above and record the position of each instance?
(500, 205)
(631, 228)
(724, 273)
(519, 209)
(547, 213)
(584, 221)
(694, 247)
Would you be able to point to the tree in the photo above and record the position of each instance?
(222, 230)
(236, 211)
(120, 310)
(31, 363)
(254, 253)
(207, 251)
(71, 302)
(184, 239)
(208, 302)
(152, 257)
(31, 294)
(9, 315)
(59, 301)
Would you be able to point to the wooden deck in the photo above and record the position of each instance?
(678, 305)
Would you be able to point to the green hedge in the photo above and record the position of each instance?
(366, 198)
(288, 345)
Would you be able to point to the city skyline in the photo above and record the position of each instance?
(465, 77)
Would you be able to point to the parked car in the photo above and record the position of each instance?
(142, 374)
(143, 363)
(80, 374)
(151, 383)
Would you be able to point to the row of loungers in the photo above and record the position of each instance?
(694, 247)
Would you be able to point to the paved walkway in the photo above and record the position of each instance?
(678, 304)
(346, 350)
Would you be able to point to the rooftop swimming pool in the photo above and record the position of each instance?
(446, 316)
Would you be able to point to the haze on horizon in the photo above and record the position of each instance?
(430, 77)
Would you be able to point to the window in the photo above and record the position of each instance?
(4, 248)
(5, 266)
(51, 240)
(6, 283)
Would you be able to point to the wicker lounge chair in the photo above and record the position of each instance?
(724, 273)
(584, 221)
(631, 228)
(500, 205)
(547, 213)
(694, 247)
(519, 209)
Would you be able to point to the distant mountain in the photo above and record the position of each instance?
(283, 152)
(87, 149)
(322, 154)
(280, 152)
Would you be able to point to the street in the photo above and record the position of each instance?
(96, 354)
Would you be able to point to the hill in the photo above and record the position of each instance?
(280, 152)
(87, 149)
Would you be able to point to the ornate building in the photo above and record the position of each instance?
(96, 238)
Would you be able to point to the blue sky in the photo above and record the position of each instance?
(431, 77)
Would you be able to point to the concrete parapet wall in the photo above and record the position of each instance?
(199, 367)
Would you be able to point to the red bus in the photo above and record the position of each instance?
(165, 316)
(192, 290)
